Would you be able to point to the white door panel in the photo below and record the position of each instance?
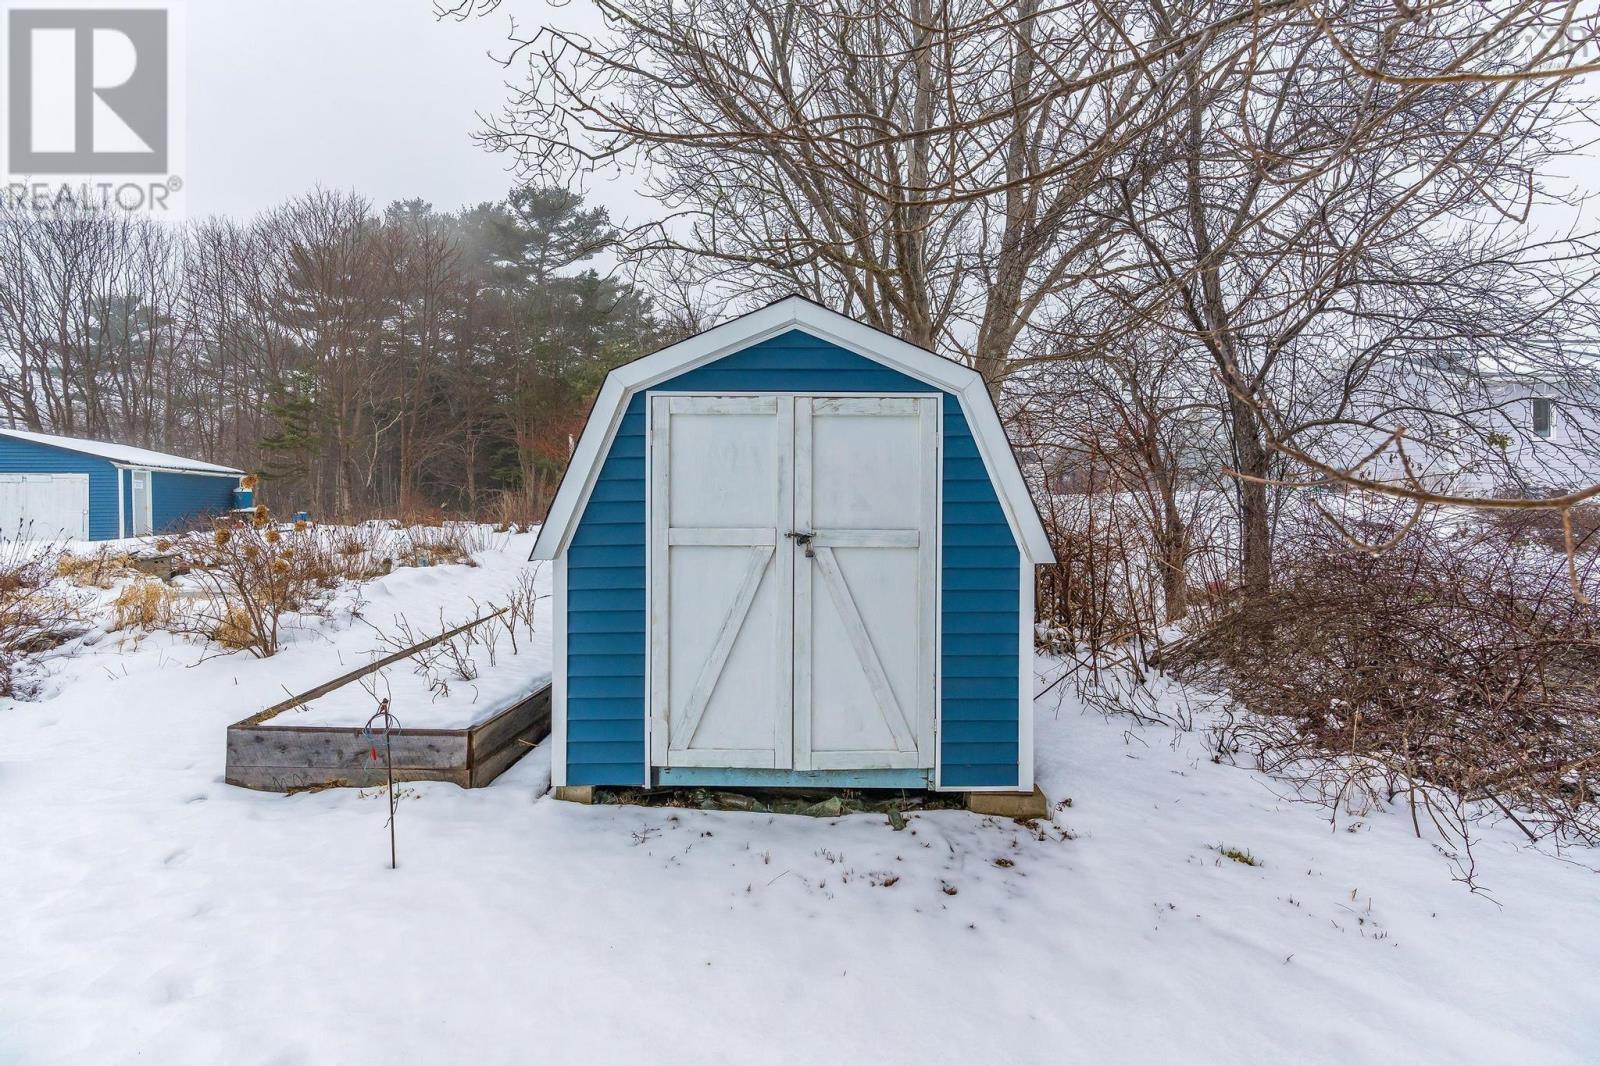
(767, 655)
(139, 498)
(44, 506)
(720, 577)
(866, 473)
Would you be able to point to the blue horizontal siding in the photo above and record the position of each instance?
(980, 731)
(602, 730)
(606, 706)
(180, 502)
(605, 579)
(981, 709)
(975, 580)
(616, 666)
(978, 622)
(600, 643)
(607, 686)
(983, 644)
(979, 775)
(613, 600)
(984, 688)
(30, 457)
(604, 622)
(983, 601)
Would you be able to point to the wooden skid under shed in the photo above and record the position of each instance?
(281, 758)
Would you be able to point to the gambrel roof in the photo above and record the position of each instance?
(795, 313)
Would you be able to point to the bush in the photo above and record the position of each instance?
(255, 573)
(1546, 528)
(513, 511)
(100, 569)
(147, 603)
(1107, 595)
(441, 545)
(36, 612)
(1454, 669)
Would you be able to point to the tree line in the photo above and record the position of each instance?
(362, 361)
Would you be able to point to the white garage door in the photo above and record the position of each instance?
(44, 506)
(792, 557)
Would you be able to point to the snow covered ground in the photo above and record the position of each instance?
(148, 912)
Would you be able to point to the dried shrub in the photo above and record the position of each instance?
(424, 514)
(100, 569)
(234, 628)
(145, 604)
(356, 553)
(457, 659)
(1093, 597)
(255, 574)
(1546, 528)
(522, 600)
(441, 545)
(1104, 600)
(1454, 670)
(37, 612)
(513, 511)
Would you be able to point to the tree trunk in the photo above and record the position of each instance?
(1255, 529)
(1174, 547)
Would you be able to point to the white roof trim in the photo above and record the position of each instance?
(123, 454)
(740, 333)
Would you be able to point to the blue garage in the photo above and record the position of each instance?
(55, 487)
(793, 550)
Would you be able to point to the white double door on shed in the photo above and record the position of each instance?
(793, 578)
(44, 506)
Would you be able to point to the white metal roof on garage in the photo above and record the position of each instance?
(122, 454)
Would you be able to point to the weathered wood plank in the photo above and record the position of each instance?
(279, 758)
(342, 748)
(490, 758)
(492, 734)
(498, 763)
(285, 778)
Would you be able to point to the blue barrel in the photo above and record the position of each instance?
(244, 499)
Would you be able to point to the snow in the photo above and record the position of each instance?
(432, 600)
(122, 453)
(150, 912)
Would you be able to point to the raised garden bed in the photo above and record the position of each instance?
(286, 758)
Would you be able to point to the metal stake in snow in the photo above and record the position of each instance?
(389, 724)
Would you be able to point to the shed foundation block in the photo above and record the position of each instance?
(575, 793)
(1009, 804)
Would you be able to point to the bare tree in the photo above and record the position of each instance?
(1356, 251)
(935, 167)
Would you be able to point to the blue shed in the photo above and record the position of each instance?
(793, 550)
(61, 487)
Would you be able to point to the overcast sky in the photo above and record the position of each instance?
(380, 97)
(371, 95)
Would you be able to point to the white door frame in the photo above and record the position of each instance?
(932, 728)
